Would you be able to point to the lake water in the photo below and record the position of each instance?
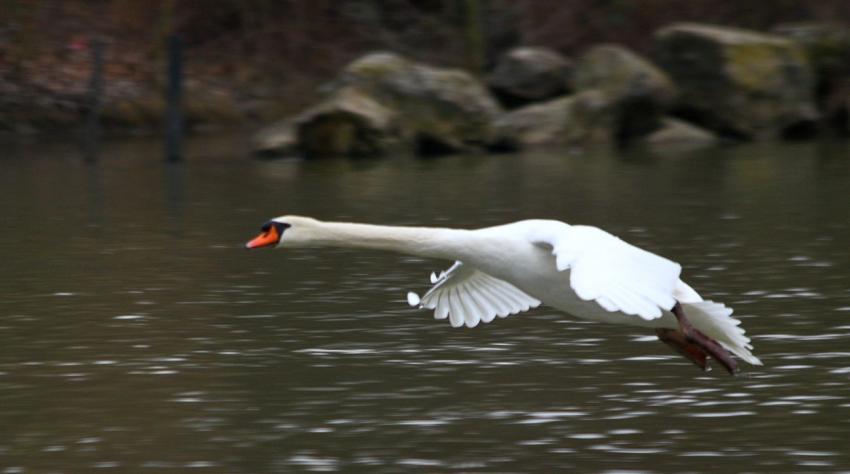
(137, 335)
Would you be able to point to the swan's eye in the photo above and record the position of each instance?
(278, 226)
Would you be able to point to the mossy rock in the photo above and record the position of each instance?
(377, 67)
(382, 101)
(447, 108)
(738, 82)
(827, 45)
(347, 123)
(530, 74)
(675, 134)
(582, 119)
(828, 49)
(639, 92)
(543, 123)
(278, 139)
(338, 134)
(592, 118)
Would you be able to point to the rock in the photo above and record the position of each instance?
(438, 110)
(677, 134)
(277, 139)
(582, 119)
(524, 75)
(537, 124)
(347, 123)
(592, 118)
(828, 49)
(383, 70)
(827, 45)
(737, 82)
(639, 91)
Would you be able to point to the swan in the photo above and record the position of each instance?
(507, 269)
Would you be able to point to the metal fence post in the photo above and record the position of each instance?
(174, 96)
(91, 134)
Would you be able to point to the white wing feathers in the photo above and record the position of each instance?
(716, 321)
(615, 274)
(468, 296)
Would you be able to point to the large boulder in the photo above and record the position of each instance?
(586, 118)
(828, 50)
(592, 118)
(639, 92)
(347, 123)
(438, 110)
(528, 74)
(275, 140)
(544, 123)
(675, 134)
(740, 83)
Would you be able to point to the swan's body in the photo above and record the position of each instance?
(507, 269)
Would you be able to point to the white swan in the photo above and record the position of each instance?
(507, 269)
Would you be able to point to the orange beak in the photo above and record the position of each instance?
(268, 238)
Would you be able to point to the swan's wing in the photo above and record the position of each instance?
(615, 274)
(468, 296)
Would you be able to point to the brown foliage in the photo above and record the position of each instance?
(257, 51)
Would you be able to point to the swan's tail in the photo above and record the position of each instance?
(715, 321)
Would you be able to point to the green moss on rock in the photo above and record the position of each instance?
(738, 82)
(638, 92)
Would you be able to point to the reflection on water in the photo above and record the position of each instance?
(137, 334)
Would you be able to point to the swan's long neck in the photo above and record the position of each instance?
(420, 241)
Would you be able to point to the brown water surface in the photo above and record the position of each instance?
(136, 335)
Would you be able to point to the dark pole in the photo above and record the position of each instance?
(174, 95)
(91, 135)
(474, 36)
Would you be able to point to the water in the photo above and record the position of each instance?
(138, 336)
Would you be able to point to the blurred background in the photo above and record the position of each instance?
(260, 60)
(143, 142)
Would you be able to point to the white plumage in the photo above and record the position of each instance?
(615, 274)
(508, 269)
(468, 296)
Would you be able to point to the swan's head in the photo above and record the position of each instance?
(292, 231)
